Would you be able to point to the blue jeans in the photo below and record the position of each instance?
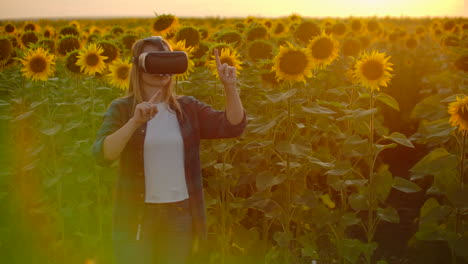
(165, 236)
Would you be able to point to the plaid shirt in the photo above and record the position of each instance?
(200, 121)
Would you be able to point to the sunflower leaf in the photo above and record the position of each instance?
(274, 98)
(388, 214)
(400, 139)
(404, 185)
(388, 100)
(317, 109)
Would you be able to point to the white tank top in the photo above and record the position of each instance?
(164, 158)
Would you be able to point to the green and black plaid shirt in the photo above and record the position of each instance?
(200, 121)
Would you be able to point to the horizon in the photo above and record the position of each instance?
(85, 9)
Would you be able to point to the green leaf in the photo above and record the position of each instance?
(430, 108)
(380, 147)
(358, 201)
(400, 139)
(404, 185)
(325, 165)
(388, 100)
(293, 149)
(438, 160)
(383, 184)
(360, 113)
(349, 219)
(338, 172)
(437, 131)
(274, 98)
(265, 180)
(317, 109)
(23, 116)
(335, 182)
(262, 129)
(355, 146)
(388, 214)
(459, 198)
(282, 238)
(223, 166)
(3, 102)
(51, 131)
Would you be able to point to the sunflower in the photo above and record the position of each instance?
(49, 32)
(180, 46)
(120, 73)
(349, 73)
(257, 32)
(191, 36)
(67, 44)
(373, 70)
(109, 50)
(306, 31)
(232, 37)
(373, 25)
(351, 47)
(324, 49)
(411, 42)
(339, 29)
(90, 59)
(278, 29)
(260, 49)
(462, 63)
(10, 29)
(458, 111)
(38, 64)
(70, 61)
(201, 51)
(69, 30)
(293, 63)
(228, 56)
(31, 26)
(75, 24)
(6, 49)
(27, 38)
(164, 24)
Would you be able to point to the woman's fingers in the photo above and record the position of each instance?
(152, 100)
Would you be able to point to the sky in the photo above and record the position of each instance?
(32, 9)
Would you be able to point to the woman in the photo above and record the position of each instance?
(159, 205)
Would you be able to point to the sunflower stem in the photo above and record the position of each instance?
(458, 223)
(370, 213)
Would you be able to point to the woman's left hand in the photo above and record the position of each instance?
(226, 73)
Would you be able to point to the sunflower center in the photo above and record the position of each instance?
(464, 113)
(92, 59)
(163, 23)
(122, 73)
(9, 28)
(372, 70)
(38, 64)
(293, 62)
(228, 61)
(322, 48)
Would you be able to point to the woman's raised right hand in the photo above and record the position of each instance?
(145, 111)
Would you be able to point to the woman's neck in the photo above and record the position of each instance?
(148, 92)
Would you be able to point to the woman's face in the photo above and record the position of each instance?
(153, 79)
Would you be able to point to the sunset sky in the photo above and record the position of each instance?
(27, 9)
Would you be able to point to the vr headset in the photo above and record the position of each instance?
(161, 62)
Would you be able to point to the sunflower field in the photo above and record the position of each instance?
(354, 152)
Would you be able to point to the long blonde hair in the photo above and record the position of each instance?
(134, 89)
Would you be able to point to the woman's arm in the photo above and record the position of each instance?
(234, 108)
(114, 144)
(227, 75)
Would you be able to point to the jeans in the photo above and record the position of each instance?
(165, 236)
